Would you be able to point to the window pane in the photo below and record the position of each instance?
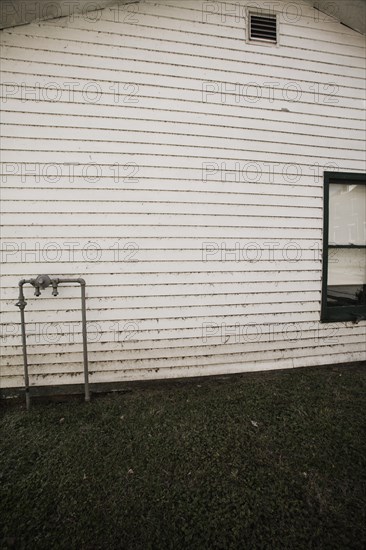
(347, 214)
(346, 266)
(346, 277)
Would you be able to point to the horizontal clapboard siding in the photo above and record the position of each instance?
(177, 168)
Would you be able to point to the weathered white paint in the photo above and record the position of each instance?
(350, 12)
(158, 307)
(19, 12)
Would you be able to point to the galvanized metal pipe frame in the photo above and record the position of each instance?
(42, 282)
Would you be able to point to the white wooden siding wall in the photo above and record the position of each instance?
(151, 304)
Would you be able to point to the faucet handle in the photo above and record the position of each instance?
(43, 281)
(40, 283)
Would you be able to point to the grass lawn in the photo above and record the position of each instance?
(268, 460)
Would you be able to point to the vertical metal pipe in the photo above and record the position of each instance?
(21, 305)
(25, 360)
(85, 340)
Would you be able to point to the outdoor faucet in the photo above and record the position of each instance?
(55, 283)
(40, 283)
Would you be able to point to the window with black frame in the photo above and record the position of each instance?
(344, 251)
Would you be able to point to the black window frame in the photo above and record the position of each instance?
(354, 313)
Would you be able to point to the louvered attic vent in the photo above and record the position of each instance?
(263, 28)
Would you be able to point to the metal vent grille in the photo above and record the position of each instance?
(263, 27)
